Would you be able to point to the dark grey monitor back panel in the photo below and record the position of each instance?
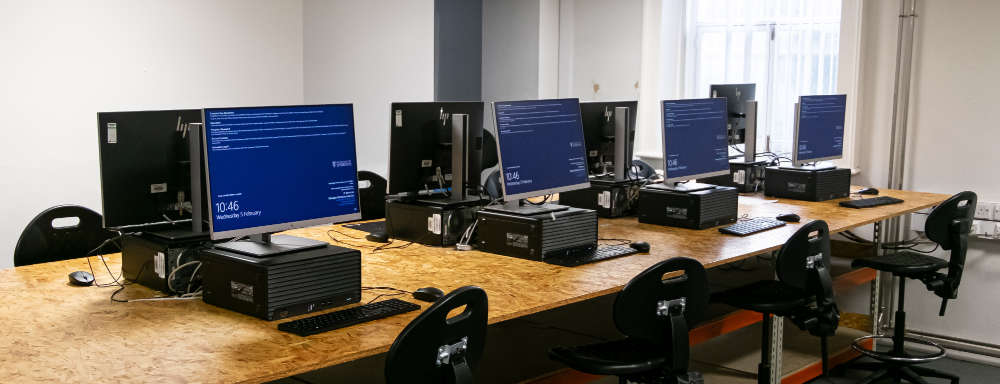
(145, 173)
(420, 142)
(736, 96)
(599, 132)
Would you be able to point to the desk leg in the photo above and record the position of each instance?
(776, 339)
(881, 291)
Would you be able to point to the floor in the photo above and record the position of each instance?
(970, 373)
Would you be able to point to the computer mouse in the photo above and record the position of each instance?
(789, 217)
(81, 278)
(428, 294)
(640, 246)
(378, 237)
(868, 191)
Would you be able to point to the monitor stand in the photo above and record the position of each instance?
(685, 187)
(265, 245)
(812, 168)
(515, 207)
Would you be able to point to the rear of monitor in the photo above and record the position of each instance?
(466, 158)
(622, 140)
(612, 121)
(750, 133)
(417, 153)
(199, 202)
(736, 96)
(145, 177)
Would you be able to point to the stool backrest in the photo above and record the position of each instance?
(45, 239)
(949, 225)
(804, 262)
(811, 240)
(372, 190)
(414, 356)
(635, 308)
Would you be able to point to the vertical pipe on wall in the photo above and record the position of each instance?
(901, 93)
(900, 110)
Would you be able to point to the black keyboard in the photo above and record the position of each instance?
(749, 227)
(592, 255)
(347, 317)
(870, 202)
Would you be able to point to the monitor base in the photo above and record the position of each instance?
(515, 208)
(683, 187)
(265, 245)
(809, 167)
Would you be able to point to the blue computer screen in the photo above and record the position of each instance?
(277, 165)
(541, 145)
(694, 137)
(821, 127)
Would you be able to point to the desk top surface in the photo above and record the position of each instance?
(51, 330)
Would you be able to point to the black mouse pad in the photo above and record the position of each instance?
(370, 227)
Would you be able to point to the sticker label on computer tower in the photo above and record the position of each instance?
(739, 177)
(399, 118)
(158, 188)
(160, 264)
(240, 291)
(796, 187)
(434, 224)
(517, 240)
(677, 213)
(112, 133)
(604, 199)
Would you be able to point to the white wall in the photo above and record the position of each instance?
(371, 53)
(510, 50)
(64, 61)
(952, 135)
(604, 40)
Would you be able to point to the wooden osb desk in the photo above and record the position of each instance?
(53, 332)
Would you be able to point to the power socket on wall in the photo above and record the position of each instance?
(984, 210)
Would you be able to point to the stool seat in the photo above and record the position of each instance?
(765, 296)
(906, 264)
(629, 356)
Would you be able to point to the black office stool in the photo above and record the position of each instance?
(371, 194)
(803, 292)
(436, 349)
(948, 225)
(41, 242)
(655, 315)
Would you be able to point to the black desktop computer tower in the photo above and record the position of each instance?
(695, 210)
(429, 222)
(150, 258)
(808, 185)
(281, 286)
(608, 197)
(745, 177)
(539, 236)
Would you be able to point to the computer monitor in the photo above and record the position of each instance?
(819, 129)
(541, 147)
(420, 148)
(601, 131)
(694, 142)
(736, 96)
(272, 169)
(144, 164)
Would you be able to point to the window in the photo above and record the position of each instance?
(787, 47)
